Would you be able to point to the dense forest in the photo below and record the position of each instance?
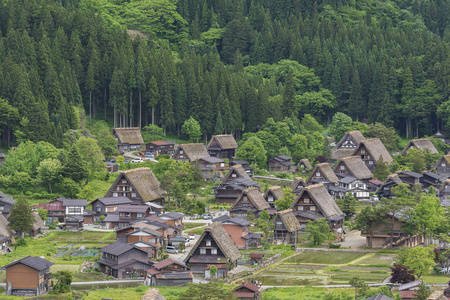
(230, 64)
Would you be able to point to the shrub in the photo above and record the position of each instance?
(333, 246)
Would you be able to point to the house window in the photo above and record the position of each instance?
(214, 251)
(124, 181)
(300, 207)
(208, 243)
(202, 251)
(2, 208)
(118, 188)
(361, 185)
(125, 214)
(222, 165)
(99, 209)
(279, 223)
(125, 147)
(124, 188)
(233, 175)
(131, 188)
(244, 204)
(181, 151)
(312, 208)
(74, 210)
(342, 167)
(370, 162)
(133, 195)
(443, 165)
(363, 151)
(317, 174)
(139, 215)
(306, 200)
(270, 198)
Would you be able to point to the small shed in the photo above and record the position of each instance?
(112, 167)
(256, 258)
(247, 291)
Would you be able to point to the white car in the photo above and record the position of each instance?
(137, 160)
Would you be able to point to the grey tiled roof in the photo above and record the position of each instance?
(34, 262)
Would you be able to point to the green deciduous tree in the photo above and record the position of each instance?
(381, 171)
(253, 151)
(265, 225)
(319, 231)
(63, 282)
(360, 286)
(418, 259)
(212, 290)
(192, 129)
(286, 201)
(48, 170)
(21, 219)
(368, 219)
(348, 205)
(340, 124)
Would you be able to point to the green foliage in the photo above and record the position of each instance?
(319, 231)
(192, 129)
(340, 124)
(361, 287)
(64, 279)
(347, 205)
(43, 213)
(381, 171)
(253, 151)
(387, 135)
(423, 292)
(368, 219)
(418, 259)
(48, 170)
(212, 290)
(21, 219)
(286, 201)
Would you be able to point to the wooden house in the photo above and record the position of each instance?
(144, 234)
(2, 158)
(123, 261)
(139, 185)
(444, 193)
(232, 185)
(222, 146)
(212, 167)
(173, 219)
(104, 206)
(6, 202)
(247, 291)
(442, 166)
(381, 235)
(256, 258)
(281, 163)
(245, 165)
(421, 144)
(385, 189)
(273, 194)
(6, 234)
(160, 148)
(357, 187)
(379, 296)
(112, 167)
(304, 166)
(314, 202)
(190, 152)
(250, 199)
(125, 215)
(214, 247)
(37, 225)
(371, 151)
(353, 166)
(74, 213)
(168, 272)
(55, 210)
(166, 230)
(347, 145)
(238, 230)
(323, 173)
(28, 276)
(297, 185)
(409, 177)
(286, 228)
(128, 139)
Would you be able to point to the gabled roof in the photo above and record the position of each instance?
(348, 179)
(254, 195)
(221, 218)
(37, 222)
(355, 166)
(212, 160)
(298, 181)
(132, 208)
(236, 221)
(146, 230)
(376, 149)
(167, 262)
(4, 229)
(326, 171)
(114, 200)
(289, 220)
(410, 174)
(338, 152)
(248, 285)
(239, 170)
(322, 199)
(276, 191)
(74, 202)
(421, 144)
(409, 285)
(433, 175)
(306, 163)
(224, 141)
(7, 199)
(153, 294)
(129, 135)
(445, 158)
(393, 177)
(173, 215)
(33, 262)
(119, 248)
(144, 182)
(222, 239)
(194, 151)
(379, 296)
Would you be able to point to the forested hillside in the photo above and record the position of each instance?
(230, 64)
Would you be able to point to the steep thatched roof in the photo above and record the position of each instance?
(221, 238)
(276, 191)
(255, 196)
(153, 294)
(421, 144)
(306, 163)
(129, 135)
(393, 177)
(239, 170)
(443, 158)
(355, 166)
(224, 141)
(289, 220)
(144, 182)
(4, 229)
(319, 194)
(194, 151)
(340, 152)
(376, 149)
(298, 181)
(38, 223)
(326, 172)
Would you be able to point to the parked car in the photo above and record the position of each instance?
(191, 236)
(171, 249)
(149, 154)
(137, 160)
(141, 154)
(113, 160)
(207, 217)
(375, 198)
(126, 161)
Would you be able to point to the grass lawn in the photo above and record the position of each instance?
(77, 275)
(329, 258)
(198, 231)
(304, 293)
(169, 292)
(100, 187)
(436, 279)
(188, 226)
(288, 278)
(378, 259)
(85, 237)
(368, 278)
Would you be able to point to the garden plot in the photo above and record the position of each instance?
(301, 266)
(289, 278)
(378, 259)
(326, 258)
(82, 251)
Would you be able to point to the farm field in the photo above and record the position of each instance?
(326, 258)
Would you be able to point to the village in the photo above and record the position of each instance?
(262, 233)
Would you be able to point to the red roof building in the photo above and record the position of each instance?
(247, 291)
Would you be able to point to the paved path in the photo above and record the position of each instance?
(354, 240)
